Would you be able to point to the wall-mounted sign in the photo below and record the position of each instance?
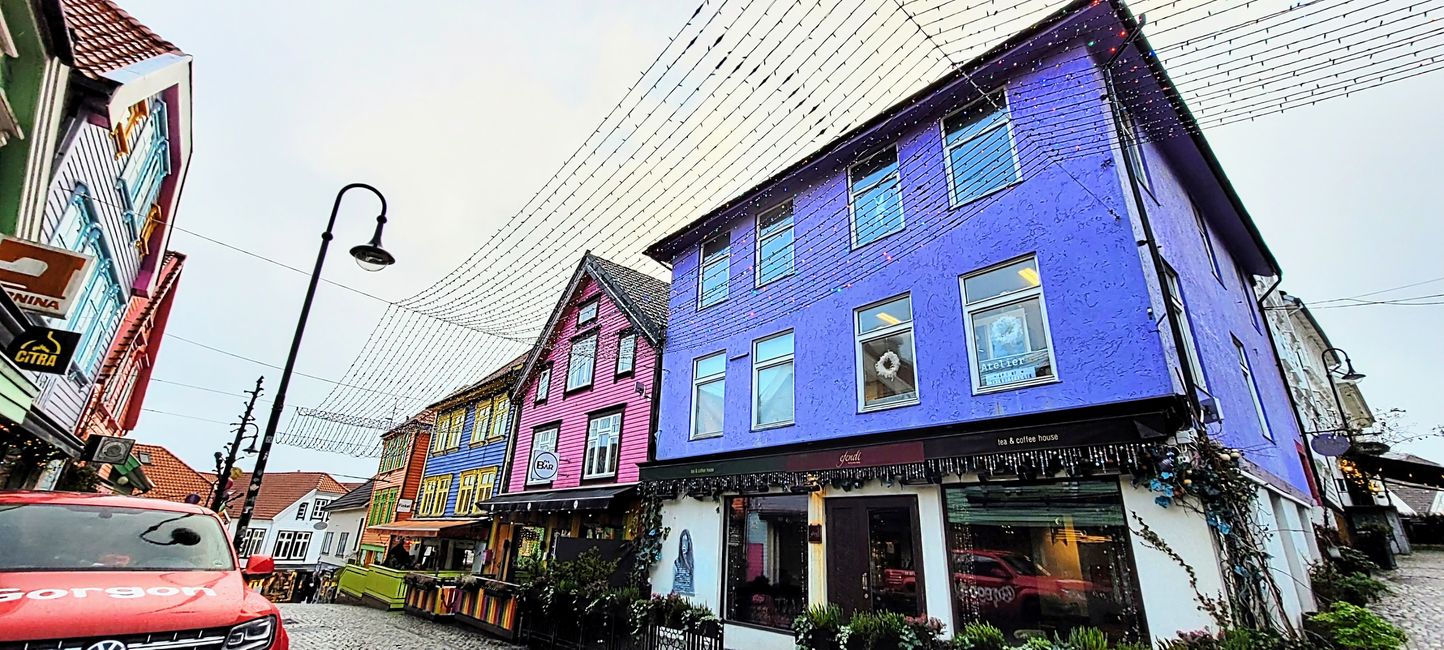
(403, 505)
(42, 278)
(1331, 444)
(43, 349)
(684, 569)
(543, 467)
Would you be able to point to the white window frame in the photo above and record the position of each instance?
(301, 545)
(1207, 240)
(1020, 296)
(759, 366)
(543, 384)
(630, 357)
(319, 508)
(301, 510)
(252, 542)
(761, 240)
(592, 307)
(326, 542)
(852, 195)
(697, 383)
(607, 467)
(723, 258)
(591, 369)
(284, 541)
(1248, 378)
(554, 432)
(1178, 309)
(341, 541)
(859, 339)
(953, 201)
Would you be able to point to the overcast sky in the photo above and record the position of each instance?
(458, 111)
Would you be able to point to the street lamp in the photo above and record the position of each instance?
(371, 257)
(1340, 360)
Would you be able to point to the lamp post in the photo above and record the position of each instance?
(371, 257)
(1341, 359)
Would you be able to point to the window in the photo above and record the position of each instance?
(543, 466)
(291, 545)
(1207, 241)
(1133, 152)
(1258, 408)
(978, 143)
(766, 574)
(432, 500)
(587, 312)
(715, 272)
(148, 162)
(97, 310)
(499, 420)
(486, 488)
(603, 434)
(875, 197)
(543, 383)
(476, 486)
(448, 431)
(326, 542)
(774, 244)
(582, 362)
(772, 381)
(626, 352)
(1007, 540)
(482, 425)
(1250, 298)
(393, 453)
(383, 507)
(301, 511)
(1008, 326)
(466, 493)
(251, 543)
(341, 543)
(318, 509)
(887, 371)
(709, 381)
(1176, 308)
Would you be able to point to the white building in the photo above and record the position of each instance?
(347, 519)
(290, 521)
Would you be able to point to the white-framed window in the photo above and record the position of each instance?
(978, 143)
(714, 271)
(875, 197)
(500, 418)
(774, 243)
(326, 542)
(709, 382)
(543, 383)
(772, 381)
(1008, 326)
(251, 543)
(542, 440)
(301, 510)
(587, 312)
(1248, 379)
(292, 545)
(582, 362)
(318, 509)
(341, 543)
(1133, 151)
(626, 352)
(1207, 241)
(886, 357)
(1179, 311)
(604, 433)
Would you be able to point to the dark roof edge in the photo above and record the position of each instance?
(501, 377)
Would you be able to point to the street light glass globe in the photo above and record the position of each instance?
(371, 257)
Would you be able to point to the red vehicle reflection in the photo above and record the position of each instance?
(1005, 585)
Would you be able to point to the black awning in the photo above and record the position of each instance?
(600, 498)
(1398, 469)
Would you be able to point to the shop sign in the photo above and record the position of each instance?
(874, 456)
(42, 278)
(403, 505)
(543, 467)
(42, 349)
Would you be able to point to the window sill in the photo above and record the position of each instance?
(705, 436)
(778, 425)
(952, 200)
(622, 375)
(758, 626)
(889, 406)
(856, 246)
(701, 307)
(572, 391)
(758, 284)
(1022, 384)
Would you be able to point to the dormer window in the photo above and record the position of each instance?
(587, 313)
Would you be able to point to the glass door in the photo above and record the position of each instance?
(874, 561)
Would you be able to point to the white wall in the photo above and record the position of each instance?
(286, 520)
(1167, 602)
(703, 519)
(342, 521)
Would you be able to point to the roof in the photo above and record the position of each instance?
(358, 497)
(513, 366)
(281, 489)
(172, 479)
(104, 38)
(893, 118)
(13, 497)
(422, 527)
(640, 297)
(425, 418)
(1420, 499)
(140, 312)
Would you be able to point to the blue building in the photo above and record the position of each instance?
(917, 367)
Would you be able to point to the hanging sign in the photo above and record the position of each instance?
(42, 278)
(1331, 444)
(42, 349)
(543, 467)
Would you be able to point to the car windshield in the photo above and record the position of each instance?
(1023, 565)
(56, 537)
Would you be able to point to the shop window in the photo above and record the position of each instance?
(709, 383)
(1042, 559)
(766, 573)
(774, 244)
(875, 196)
(886, 367)
(980, 151)
(1008, 325)
(772, 381)
(712, 280)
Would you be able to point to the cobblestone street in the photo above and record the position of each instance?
(1417, 604)
(351, 627)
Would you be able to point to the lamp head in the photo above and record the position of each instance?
(1351, 375)
(371, 256)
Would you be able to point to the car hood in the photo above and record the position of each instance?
(78, 604)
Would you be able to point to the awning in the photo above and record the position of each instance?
(557, 500)
(1399, 469)
(425, 527)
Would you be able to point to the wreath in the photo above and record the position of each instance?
(888, 365)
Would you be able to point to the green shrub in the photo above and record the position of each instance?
(1087, 638)
(1350, 627)
(1352, 560)
(980, 636)
(817, 628)
(1332, 585)
(1237, 639)
(872, 631)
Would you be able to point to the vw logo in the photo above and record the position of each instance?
(108, 644)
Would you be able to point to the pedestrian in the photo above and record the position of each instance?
(306, 589)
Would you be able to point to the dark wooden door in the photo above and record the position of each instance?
(874, 556)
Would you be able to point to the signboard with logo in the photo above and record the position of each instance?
(42, 349)
(41, 278)
(543, 467)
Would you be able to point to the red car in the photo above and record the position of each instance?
(1011, 582)
(102, 572)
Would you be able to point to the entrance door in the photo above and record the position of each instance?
(874, 560)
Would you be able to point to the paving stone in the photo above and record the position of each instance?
(1417, 604)
(352, 627)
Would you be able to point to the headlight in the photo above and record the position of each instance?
(252, 635)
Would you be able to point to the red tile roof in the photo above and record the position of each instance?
(281, 489)
(104, 37)
(173, 479)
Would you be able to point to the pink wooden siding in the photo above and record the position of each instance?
(608, 391)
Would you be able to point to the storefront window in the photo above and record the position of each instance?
(1043, 559)
(767, 559)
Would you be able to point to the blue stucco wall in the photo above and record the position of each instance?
(468, 457)
(1069, 210)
